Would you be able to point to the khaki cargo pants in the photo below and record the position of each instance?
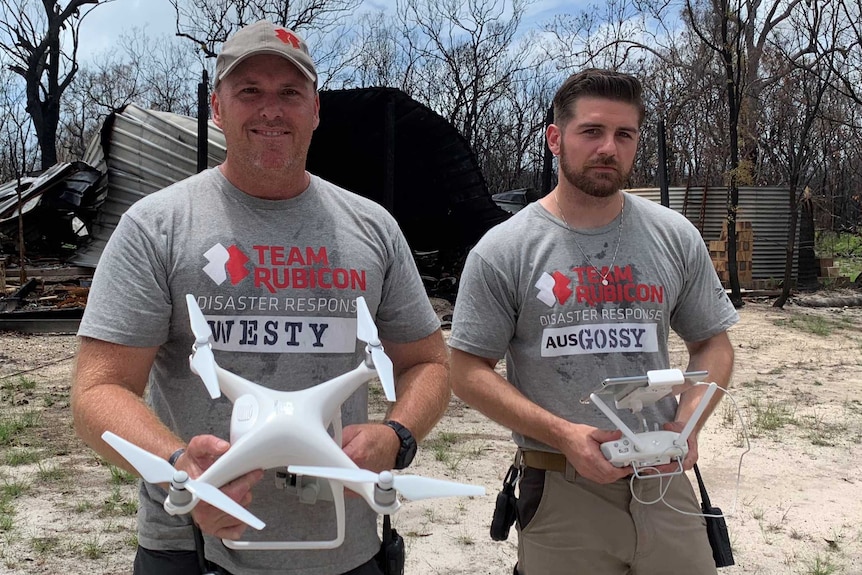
(568, 525)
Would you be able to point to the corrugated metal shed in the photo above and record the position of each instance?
(767, 208)
(371, 137)
(142, 151)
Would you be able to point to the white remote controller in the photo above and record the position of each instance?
(650, 448)
(654, 448)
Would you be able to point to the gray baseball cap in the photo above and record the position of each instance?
(264, 38)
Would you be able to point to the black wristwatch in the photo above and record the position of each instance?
(408, 444)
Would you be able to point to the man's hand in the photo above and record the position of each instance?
(691, 456)
(371, 446)
(582, 447)
(201, 453)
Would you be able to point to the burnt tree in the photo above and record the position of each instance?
(33, 38)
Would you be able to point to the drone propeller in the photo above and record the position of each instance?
(413, 487)
(156, 470)
(366, 331)
(202, 360)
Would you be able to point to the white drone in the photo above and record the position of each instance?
(276, 428)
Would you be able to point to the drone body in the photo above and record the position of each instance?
(272, 429)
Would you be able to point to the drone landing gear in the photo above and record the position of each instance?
(338, 499)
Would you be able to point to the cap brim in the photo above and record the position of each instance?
(305, 72)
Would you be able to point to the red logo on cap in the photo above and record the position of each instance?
(287, 37)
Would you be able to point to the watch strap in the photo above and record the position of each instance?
(407, 449)
(176, 455)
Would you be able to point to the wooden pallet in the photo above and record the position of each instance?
(744, 249)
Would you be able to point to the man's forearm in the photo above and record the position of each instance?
(422, 389)
(715, 356)
(112, 408)
(481, 387)
(422, 396)
(107, 389)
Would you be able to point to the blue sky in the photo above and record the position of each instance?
(107, 22)
(101, 28)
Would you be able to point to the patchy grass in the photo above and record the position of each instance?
(93, 548)
(16, 385)
(118, 505)
(14, 424)
(13, 489)
(120, 476)
(813, 324)
(45, 545)
(823, 433)
(820, 566)
(21, 456)
(442, 445)
(52, 473)
(769, 416)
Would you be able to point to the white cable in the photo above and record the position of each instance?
(663, 490)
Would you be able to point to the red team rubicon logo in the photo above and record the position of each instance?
(277, 268)
(280, 298)
(554, 288)
(287, 37)
(586, 285)
(224, 262)
(586, 316)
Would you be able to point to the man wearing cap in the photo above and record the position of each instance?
(275, 257)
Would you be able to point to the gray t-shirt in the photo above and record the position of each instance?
(528, 292)
(268, 274)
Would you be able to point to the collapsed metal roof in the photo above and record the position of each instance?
(50, 203)
(70, 183)
(141, 151)
(377, 142)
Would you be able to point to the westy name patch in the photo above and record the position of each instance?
(283, 334)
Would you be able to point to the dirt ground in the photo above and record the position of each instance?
(796, 509)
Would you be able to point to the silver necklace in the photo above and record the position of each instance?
(616, 249)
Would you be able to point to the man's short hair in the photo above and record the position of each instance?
(597, 83)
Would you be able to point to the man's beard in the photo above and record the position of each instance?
(599, 184)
